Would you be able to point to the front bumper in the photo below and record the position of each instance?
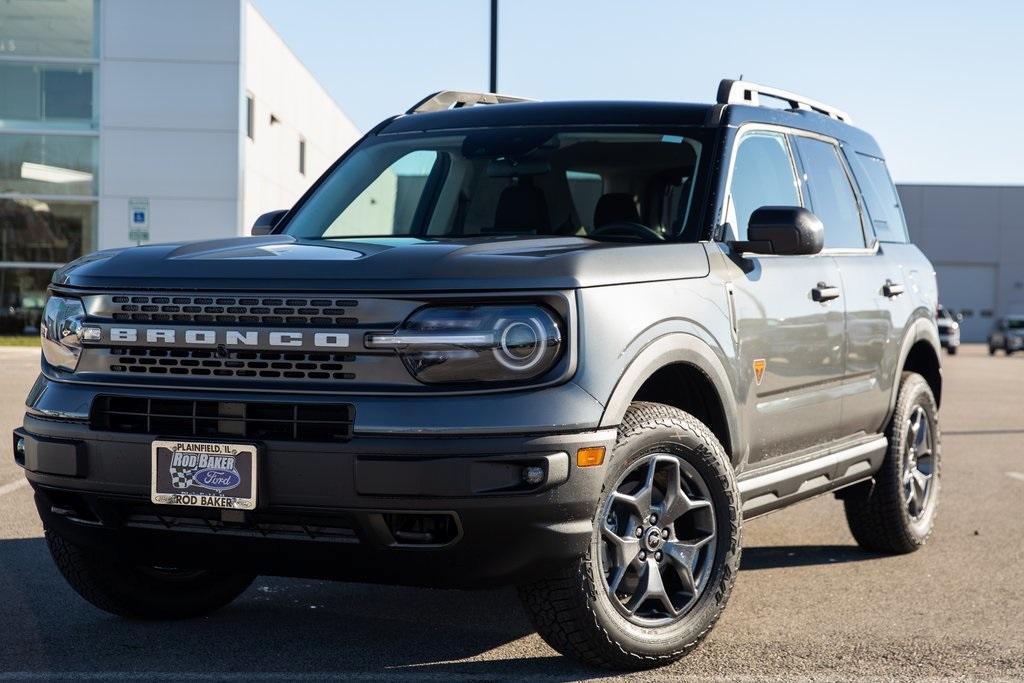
(419, 510)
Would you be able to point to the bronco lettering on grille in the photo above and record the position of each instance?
(179, 336)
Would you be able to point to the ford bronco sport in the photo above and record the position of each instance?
(570, 346)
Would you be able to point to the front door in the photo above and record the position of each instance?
(787, 312)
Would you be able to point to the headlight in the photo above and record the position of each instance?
(453, 344)
(61, 332)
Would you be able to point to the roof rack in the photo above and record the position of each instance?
(745, 92)
(455, 99)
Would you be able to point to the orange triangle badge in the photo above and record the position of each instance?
(759, 366)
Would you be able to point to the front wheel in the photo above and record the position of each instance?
(898, 514)
(140, 592)
(664, 553)
(952, 350)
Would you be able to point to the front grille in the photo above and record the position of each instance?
(256, 364)
(254, 310)
(184, 417)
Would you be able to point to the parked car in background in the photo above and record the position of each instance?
(949, 329)
(1007, 334)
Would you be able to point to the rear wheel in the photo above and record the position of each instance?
(991, 350)
(664, 553)
(897, 515)
(141, 592)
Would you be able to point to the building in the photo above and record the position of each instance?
(974, 235)
(125, 121)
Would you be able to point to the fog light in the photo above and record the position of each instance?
(19, 446)
(533, 475)
(592, 456)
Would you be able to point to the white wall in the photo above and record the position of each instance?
(282, 86)
(170, 99)
(974, 235)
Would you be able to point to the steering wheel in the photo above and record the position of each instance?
(629, 230)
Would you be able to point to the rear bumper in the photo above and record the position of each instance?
(434, 511)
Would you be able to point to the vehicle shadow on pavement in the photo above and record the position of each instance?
(779, 556)
(278, 626)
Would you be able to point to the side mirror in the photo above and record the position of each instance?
(264, 225)
(784, 230)
(959, 317)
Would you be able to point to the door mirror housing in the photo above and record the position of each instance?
(783, 230)
(265, 224)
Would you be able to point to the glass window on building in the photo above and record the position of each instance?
(48, 164)
(36, 231)
(22, 297)
(48, 154)
(50, 28)
(35, 238)
(46, 96)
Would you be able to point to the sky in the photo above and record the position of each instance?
(940, 84)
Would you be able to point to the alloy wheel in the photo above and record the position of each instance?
(658, 537)
(919, 464)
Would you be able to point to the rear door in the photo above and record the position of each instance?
(872, 281)
(789, 346)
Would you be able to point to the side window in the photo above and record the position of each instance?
(762, 176)
(831, 194)
(883, 202)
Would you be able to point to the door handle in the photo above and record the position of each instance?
(823, 293)
(891, 289)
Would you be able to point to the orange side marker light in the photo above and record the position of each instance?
(591, 456)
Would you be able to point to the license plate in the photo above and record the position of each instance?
(204, 474)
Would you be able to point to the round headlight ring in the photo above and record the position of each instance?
(505, 352)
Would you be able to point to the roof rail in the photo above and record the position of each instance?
(745, 92)
(455, 99)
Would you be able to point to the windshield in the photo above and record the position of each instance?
(1015, 323)
(510, 181)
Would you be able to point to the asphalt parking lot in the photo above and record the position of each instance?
(808, 605)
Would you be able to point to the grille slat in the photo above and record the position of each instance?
(257, 310)
(199, 418)
(265, 364)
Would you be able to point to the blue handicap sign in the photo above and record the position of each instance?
(139, 217)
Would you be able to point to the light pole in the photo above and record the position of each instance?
(494, 45)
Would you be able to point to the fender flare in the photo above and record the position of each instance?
(670, 349)
(921, 329)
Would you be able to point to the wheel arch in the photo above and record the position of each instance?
(683, 371)
(920, 353)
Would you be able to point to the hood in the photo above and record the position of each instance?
(284, 263)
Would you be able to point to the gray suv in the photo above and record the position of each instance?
(570, 346)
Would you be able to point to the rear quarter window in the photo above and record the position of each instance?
(881, 198)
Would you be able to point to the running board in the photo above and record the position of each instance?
(763, 493)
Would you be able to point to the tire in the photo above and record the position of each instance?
(1009, 351)
(991, 350)
(898, 515)
(574, 611)
(952, 350)
(142, 592)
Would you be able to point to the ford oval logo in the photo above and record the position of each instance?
(216, 479)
